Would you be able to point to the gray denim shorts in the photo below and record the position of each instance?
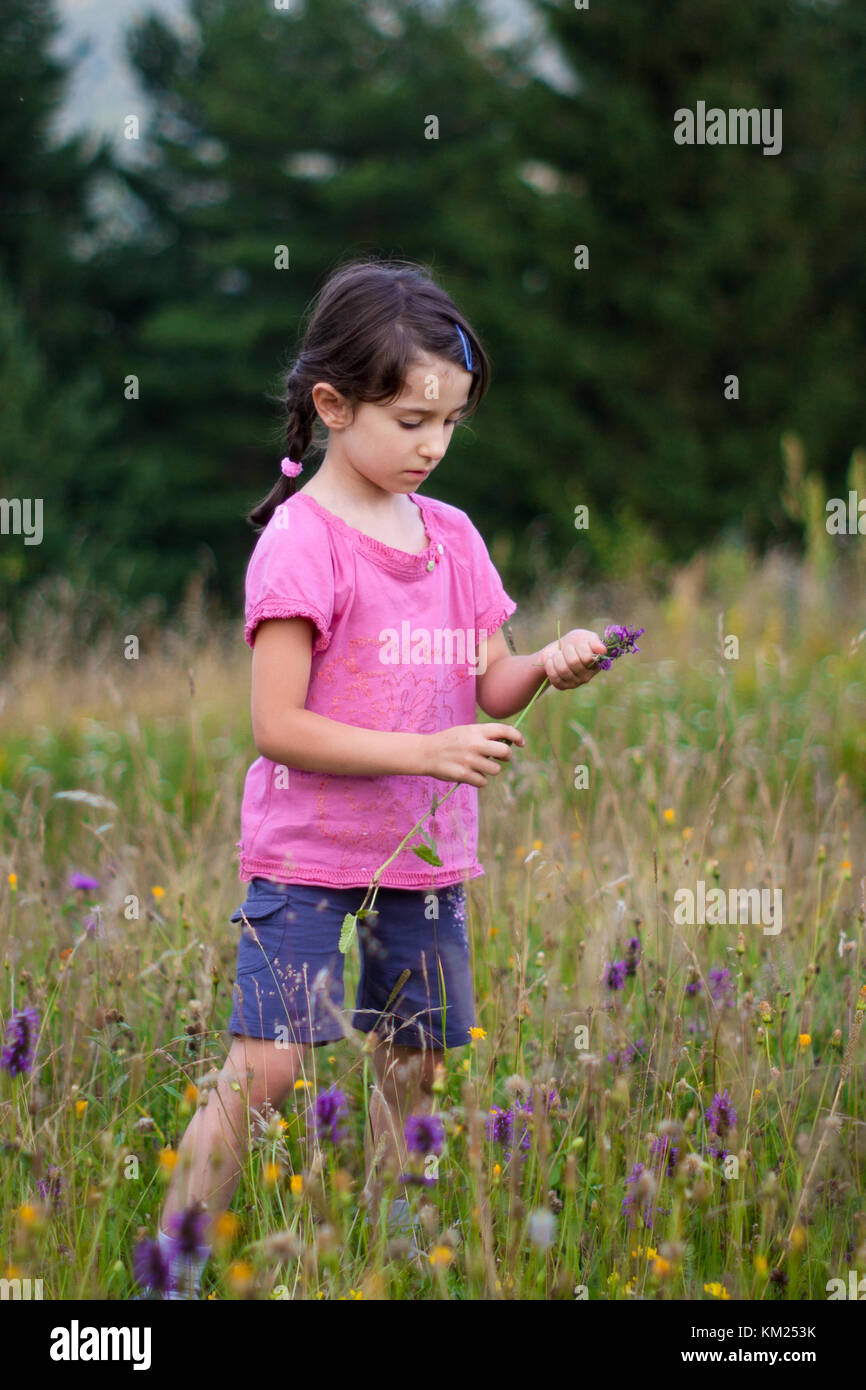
(415, 984)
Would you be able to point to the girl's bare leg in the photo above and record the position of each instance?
(216, 1141)
(404, 1077)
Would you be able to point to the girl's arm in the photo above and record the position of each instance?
(509, 682)
(287, 733)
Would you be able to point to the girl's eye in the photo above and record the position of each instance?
(408, 425)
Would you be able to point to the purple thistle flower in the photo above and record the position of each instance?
(648, 1211)
(330, 1106)
(425, 1134)
(629, 1198)
(20, 1046)
(151, 1269)
(662, 1148)
(615, 974)
(628, 1054)
(721, 1117)
(694, 986)
(84, 882)
(416, 1180)
(500, 1126)
(619, 641)
(722, 987)
(51, 1186)
(188, 1229)
(632, 955)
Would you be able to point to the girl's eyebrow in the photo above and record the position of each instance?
(422, 410)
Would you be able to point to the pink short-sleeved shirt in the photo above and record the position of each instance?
(399, 641)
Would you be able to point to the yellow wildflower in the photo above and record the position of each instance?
(804, 1040)
(27, 1215)
(13, 882)
(158, 892)
(225, 1227)
(239, 1275)
(670, 815)
(761, 1264)
(296, 1183)
(661, 1266)
(272, 1173)
(191, 1093)
(167, 1160)
(440, 1255)
(717, 1290)
(477, 1034)
(302, 1085)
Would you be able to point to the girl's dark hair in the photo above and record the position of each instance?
(369, 322)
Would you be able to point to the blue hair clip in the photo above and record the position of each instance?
(466, 352)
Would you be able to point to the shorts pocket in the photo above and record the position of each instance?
(267, 915)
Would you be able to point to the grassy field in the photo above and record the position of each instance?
(706, 1132)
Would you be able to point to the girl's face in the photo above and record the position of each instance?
(396, 446)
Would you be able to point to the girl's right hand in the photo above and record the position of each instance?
(469, 752)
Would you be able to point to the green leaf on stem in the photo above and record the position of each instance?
(347, 934)
(427, 854)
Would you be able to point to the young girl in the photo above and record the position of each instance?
(374, 615)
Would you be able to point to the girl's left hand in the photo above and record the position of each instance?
(568, 663)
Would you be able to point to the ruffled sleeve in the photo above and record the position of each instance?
(291, 574)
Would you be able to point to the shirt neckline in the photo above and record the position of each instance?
(400, 561)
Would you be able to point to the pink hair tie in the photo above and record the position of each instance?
(290, 468)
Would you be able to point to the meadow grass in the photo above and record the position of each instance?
(744, 770)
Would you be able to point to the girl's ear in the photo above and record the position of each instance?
(333, 408)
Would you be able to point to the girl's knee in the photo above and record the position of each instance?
(264, 1070)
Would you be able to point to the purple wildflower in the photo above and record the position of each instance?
(329, 1107)
(416, 1180)
(721, 1118)
(425, 1134)
(151, 1269)
(628, 1200)
(663, 1149)
(619, 641)
(722, 987)
(615, 974)
(188, 1230)
(501, 1126)
(628, 1053)
(20, 1046)
(694, 986)
(51, 1186)
(648, 1211)
(632, 955)
(84, 882)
